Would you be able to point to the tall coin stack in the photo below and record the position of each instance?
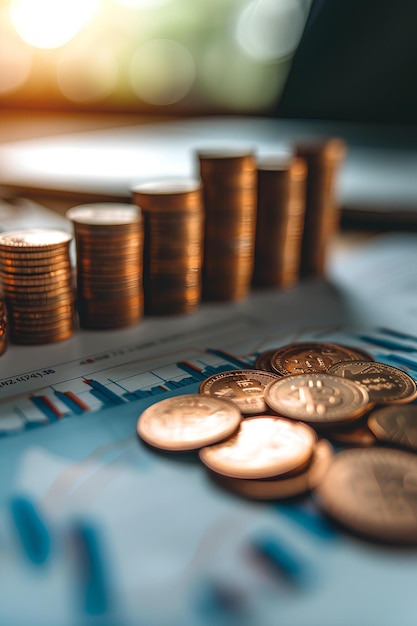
(322, 215)
(109, 245)
(279, 222)
(229, 186)
(3, 327)
(174, 226)
(36, 277)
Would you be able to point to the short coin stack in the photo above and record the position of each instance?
(36, 278)
(229, 184)
(3, 327)
(173, 253)
(279, 222)
(109, 243)
(322, 215)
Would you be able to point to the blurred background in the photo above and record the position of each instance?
(142, 56)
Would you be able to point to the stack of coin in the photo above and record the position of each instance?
(3, 326)
(36, 277)
(109, 244)
(229, 183)
(279, 222)
(173, 253)
(322, 214)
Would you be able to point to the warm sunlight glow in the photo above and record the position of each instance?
(50, 23)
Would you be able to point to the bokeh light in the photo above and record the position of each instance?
(15, 58)
(50, 23)
(87, 73)
(269, 30)
(162, 71)
(232, 79)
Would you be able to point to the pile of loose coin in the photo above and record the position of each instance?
(273, 446)
(36, 279)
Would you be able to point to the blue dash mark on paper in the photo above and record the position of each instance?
(33, 533)
(95, 592)
(310, 520)
(218, 602)
(284, 559)
(390, 344)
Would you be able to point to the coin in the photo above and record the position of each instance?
(243, 387)
(284, 486)
(323, 159)
(373, 491)
(34, 239)
(36, 277)
(263, 360)
(359, 435)
(279, 222)
(385, 384)
(263, 446)
(174, 219)
(188, 422)
(396, 425)
(109, 243)
(320, 399)
(303, 358)
(229, 193)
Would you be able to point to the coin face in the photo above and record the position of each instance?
(243, 387)
(305, 358)
(385, 384)
(285, 486)
(34, 238)
(373, 491)
(263, 446)
(321, 399)
(188, 422)
(396, 425)
(104, 213)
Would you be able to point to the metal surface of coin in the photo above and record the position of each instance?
(263, 360)
(263, 446)
(188, 422)
(284, 487)
(305, 358)
(243, 387)
(396, 425)
(385, 384)
(34, 238)
(373, 492)
(104, 213)
(321, 399)
(358, 436)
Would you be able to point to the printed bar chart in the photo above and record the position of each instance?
(112, 386)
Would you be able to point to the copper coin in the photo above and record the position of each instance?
(284, 486)
(263, 446)
(188, 422)
(320, 399)
(373, 491)
(104, 213)
(385, 384)
(34, 239)
(304, 358)
(359, 435)
(396, 425)
(263, 360)
(243, 387)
